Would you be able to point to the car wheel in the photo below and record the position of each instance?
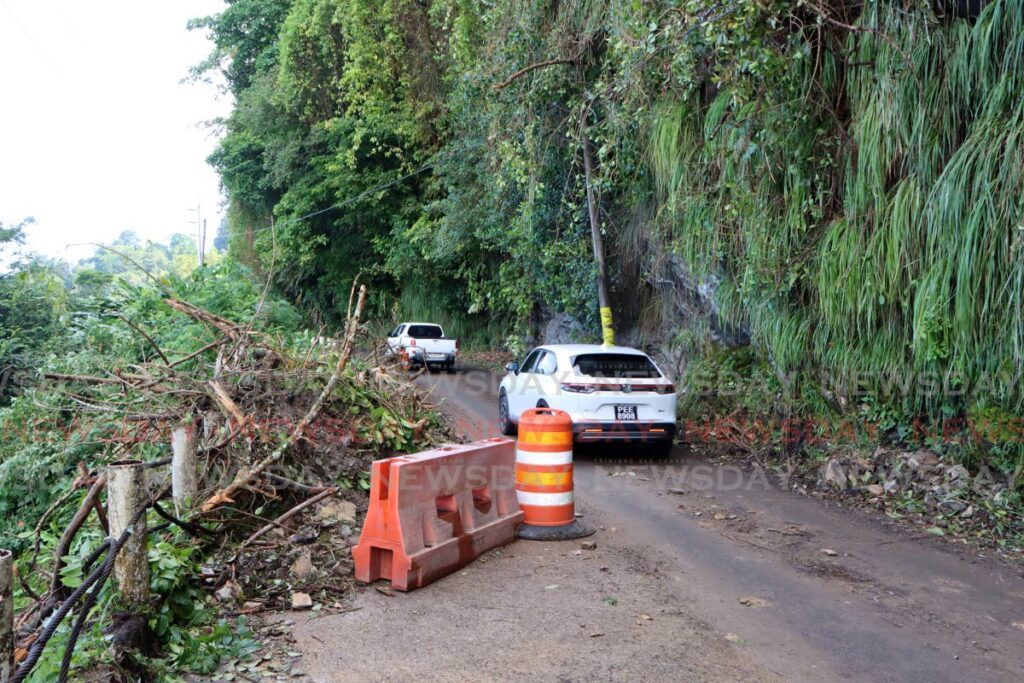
(505, 424)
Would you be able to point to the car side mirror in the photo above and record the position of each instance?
(513, 367)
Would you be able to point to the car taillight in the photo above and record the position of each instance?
(664, 388)
(580, 388)
(456, 344)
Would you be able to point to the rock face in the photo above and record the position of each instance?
(562, 329)
(692, 297)
(686, 302)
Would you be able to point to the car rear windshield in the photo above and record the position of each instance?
(425, 332)
(619, 365)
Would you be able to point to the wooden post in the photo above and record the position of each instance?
(6, 615)
(603, 302)
(184, 483)
(126, 493)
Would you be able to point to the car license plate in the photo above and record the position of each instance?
(625, 412)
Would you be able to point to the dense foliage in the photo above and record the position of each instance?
(70, 338)
(32, 298)
(75, 321)
(843, 177)
(80, 323)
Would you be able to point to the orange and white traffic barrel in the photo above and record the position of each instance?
(544, 483)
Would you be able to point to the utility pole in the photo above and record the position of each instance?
(200, 224)
(604, 303)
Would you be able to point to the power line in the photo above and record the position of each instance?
(31, 38)
(350, 200)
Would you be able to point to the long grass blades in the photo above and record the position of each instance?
(894, 248)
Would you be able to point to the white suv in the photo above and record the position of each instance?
(612, 393)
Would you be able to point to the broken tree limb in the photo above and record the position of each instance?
(184, 481)
(37, 532)
(122, 379)
(278, 480)
(223, 324)
(145, 336)
(101, 515)
(82, 378)
(208, 347)
(64, 544)
(6, 615)
(288, 515)
(227, 402)
(26, 589)
(127, 493)
(246, 474)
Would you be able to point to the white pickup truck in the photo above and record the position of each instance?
(423, 344)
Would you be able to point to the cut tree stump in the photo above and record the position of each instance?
(126, 493)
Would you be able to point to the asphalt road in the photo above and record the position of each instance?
(703, 571)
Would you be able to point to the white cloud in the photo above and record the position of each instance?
(97, 132)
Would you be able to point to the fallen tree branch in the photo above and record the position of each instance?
(227, 402)
(208, 347)
(288, 515)
(223, 442)
(223, 324)
(145, 336)
(87, 506)
(37, 532)
(246, 474)
(99, 575)
(289, 483)
(83, 378)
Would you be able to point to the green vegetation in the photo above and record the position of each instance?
(841, 182)
(849, 173)
(32, 298)
(74, 343)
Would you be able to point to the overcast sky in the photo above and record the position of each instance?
(97, 132)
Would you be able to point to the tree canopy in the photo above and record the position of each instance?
(839, 180)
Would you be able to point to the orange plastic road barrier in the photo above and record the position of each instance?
(544, 483)
(436, 511)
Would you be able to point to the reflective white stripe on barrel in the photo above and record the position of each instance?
(538, 458)
(544, 499)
